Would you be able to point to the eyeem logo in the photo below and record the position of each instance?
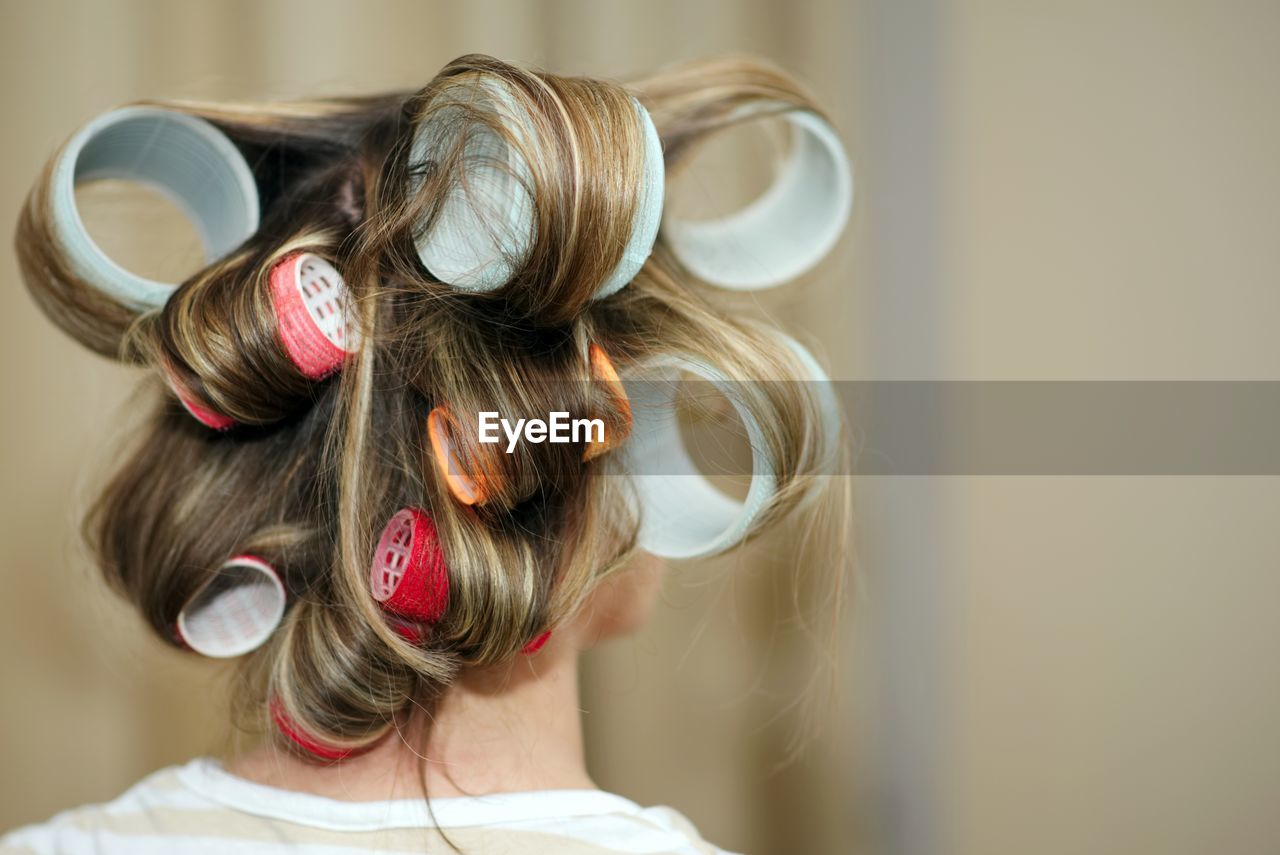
(557, 427)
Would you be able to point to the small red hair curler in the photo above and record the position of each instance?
(234, 611)
(304, 740)
(199, 410)
(411, 631)
(408, 575)
(534, 646)
(309, 297)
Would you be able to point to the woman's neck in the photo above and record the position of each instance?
(501, 730)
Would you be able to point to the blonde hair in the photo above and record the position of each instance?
(316, 468)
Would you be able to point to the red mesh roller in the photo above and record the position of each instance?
(411, 631)
(408, 574)
(193, 405)
(310, 301)
(534, 646)
(305, 741)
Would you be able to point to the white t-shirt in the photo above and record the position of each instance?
(202, 808)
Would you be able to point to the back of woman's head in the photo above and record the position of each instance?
(493, 237)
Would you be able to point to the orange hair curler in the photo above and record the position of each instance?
(475, 488)
(603, 372)
(467, 489)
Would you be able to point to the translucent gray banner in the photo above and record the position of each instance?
(1013, 427)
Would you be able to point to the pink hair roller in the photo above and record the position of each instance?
(411, 631)
(235, 611)
(304, 740)
(408, 575)
(310, 301)
(534, 646)
(190, 403)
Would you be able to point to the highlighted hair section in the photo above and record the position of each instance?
(380, 271)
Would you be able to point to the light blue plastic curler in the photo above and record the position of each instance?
(682, 514)
(485, 227)
(184, 158)
(784, 232)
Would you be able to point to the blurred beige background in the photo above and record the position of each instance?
(1052, 665)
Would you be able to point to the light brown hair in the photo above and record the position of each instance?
(314, 470)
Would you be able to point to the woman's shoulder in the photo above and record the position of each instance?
(200, 807)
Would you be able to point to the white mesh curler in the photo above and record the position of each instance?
(785, 231)
(485, 228)
(184, 158)
(235, 611)
(683, 515)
